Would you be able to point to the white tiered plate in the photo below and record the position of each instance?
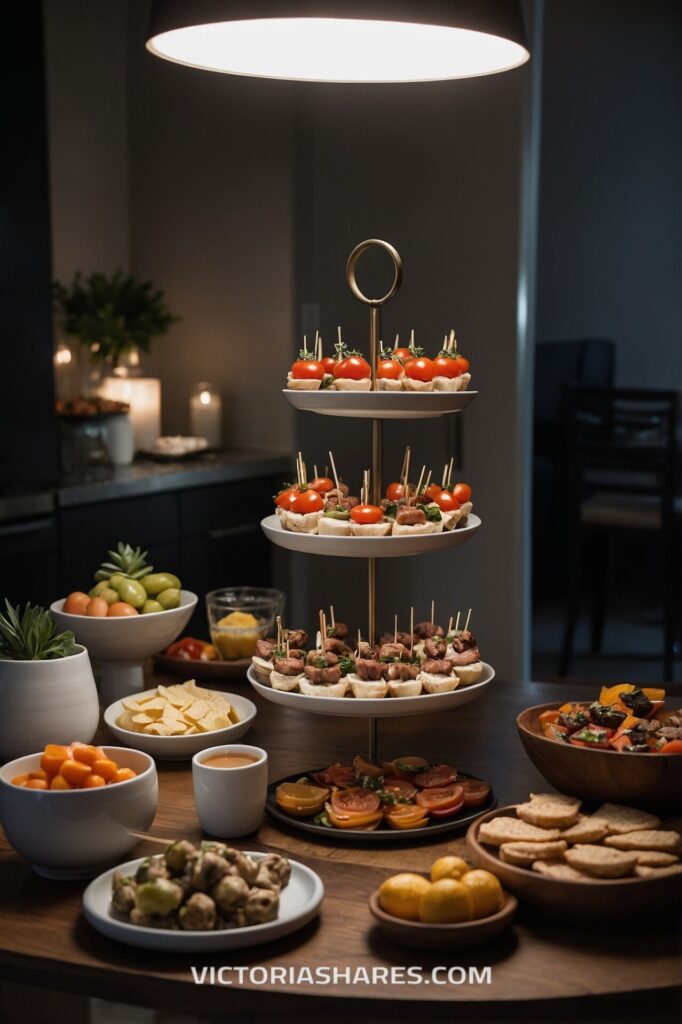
(367, 547)
(383, 405)
(373, 707)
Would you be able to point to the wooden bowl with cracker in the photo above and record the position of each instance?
(607, 901)
(652, 780)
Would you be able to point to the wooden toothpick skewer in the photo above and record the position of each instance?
(457, 623)
(444, 479)
(421, 477)
(411, 345)
(331, 615)
(314, 472)
(338, 333)
(427, 482)
(324, 631)
(449, 626)
(395, 629)
(466, 624)
(279, 632)
(433, 612)
(406, 478)
(333, 464)
(405, 458)
(359, 641)
(396, 342)
(450, 468)
(411, 629)
(287, 647)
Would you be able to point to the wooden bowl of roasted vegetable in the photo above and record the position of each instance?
(624, 747)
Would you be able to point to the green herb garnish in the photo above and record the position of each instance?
(31, 636)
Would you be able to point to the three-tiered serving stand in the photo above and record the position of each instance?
(376, 406)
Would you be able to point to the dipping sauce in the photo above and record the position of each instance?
(230, 760)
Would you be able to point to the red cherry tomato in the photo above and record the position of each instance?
(353, 368)
(446, 502)
(462, 492)
(307, 369)
(446, 366)
(389, 369)
(419, 369)
(356, 800)
(437, 777)
(462, 364)
(475, 792)
(395, 492)
(401, 787)
(307, 501)
(286, 498)
(321, 484)
(402, 353)
(431, 491)
(366, 514)
(329, 363)
(441, 798)
(341, 775)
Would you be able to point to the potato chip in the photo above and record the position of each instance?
(183, 709)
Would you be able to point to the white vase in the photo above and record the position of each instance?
(52, 701)
(118, 434)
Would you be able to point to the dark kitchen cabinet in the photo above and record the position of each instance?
(29, 561)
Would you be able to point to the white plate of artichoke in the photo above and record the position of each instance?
(203, 898)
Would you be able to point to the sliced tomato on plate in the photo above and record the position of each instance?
(476, 792)
(401, 787)
(342, 775)
(406, 767)
(322, 778)
(446, 812)
(437, 777)
(355, 801)
(366, 821)
(405, 816)
(440, 799)
(362, 767)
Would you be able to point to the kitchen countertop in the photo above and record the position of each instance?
(145, 476)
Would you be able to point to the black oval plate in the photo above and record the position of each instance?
(383, 834)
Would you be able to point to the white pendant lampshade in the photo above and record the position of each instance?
(341, 40)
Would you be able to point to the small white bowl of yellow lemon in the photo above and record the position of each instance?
(175, 722)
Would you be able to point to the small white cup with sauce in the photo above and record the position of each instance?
(230, 786)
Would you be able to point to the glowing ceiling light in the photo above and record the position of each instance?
(337, 40)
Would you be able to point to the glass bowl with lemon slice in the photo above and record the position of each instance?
(240, 616)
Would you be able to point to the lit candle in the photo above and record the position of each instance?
(206, 414)
(143, 395)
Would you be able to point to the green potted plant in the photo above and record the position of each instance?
(113, 317)
(47, 689)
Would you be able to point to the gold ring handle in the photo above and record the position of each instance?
(355, 256)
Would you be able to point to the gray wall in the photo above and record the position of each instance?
(185, 178)
(86, 56)
(610, 242)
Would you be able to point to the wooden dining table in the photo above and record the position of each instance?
(540, 967)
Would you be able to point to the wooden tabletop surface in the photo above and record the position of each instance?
(45, 941)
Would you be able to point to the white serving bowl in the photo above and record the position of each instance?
(121, 643)
(77, 833)
(53, 701)
(182, 748)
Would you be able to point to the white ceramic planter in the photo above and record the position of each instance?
(43, 702)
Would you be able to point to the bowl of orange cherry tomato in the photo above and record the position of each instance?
(71, 810)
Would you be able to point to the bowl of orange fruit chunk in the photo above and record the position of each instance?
(73, 810)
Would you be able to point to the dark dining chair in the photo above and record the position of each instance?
(621, 464)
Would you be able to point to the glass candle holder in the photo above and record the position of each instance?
(206, 414)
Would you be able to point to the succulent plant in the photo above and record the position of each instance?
(31, 635)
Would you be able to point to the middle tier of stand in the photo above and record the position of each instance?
(374, 707)
(368, 547)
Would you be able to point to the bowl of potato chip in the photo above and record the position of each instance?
(175, 722)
